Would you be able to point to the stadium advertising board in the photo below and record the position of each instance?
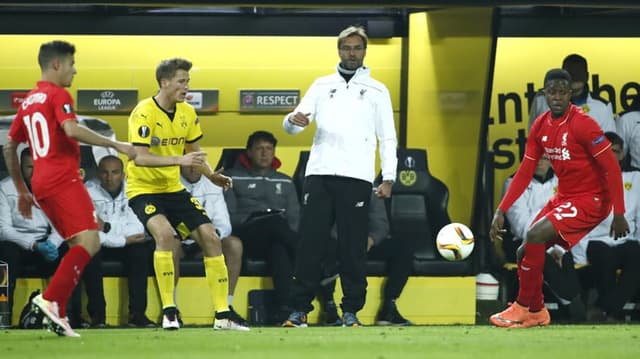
(268, 100)
(106, 101)
(204, 101)
(10, 100)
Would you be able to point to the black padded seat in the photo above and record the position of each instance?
(418, 208)
(229, 157)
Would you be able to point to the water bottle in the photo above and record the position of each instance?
(5, 311)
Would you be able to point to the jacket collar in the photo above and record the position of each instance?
(244, 161)
(362, 71)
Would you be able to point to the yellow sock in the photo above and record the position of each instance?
(218, 279)
(163, 265)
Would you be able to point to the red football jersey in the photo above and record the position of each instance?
(56, 156)
(571, 143)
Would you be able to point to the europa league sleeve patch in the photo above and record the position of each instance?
(67, 108)
(144, 131)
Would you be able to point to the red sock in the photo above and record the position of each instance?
(66, 277)
(537, 300)
(530, 275)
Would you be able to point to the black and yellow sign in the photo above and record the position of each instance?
(107, 101)
(268, 100)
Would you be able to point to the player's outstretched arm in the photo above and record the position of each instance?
(144, 158)
(88, 136)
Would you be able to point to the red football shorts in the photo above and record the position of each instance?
(71, 210)
(573, 218)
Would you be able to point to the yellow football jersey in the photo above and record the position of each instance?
(150, 125)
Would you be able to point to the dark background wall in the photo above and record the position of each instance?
(309, 18)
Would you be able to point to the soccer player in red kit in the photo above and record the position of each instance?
(46, 120)
(589, 185)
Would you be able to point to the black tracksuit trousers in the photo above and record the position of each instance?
(325, 200)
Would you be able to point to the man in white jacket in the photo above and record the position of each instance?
(628, 127)
(353, 114)
(25, 241)
(122, 235)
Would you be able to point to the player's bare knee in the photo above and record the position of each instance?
(214, 240)
(232, 247)
(541, 232)
(211, 246)
(533, 236)
(164, 241)
(88, 240)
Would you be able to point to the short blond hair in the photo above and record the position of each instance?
(353, 31)
(168, 68)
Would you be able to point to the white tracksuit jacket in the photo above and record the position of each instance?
(15, 228)
(631, 184)
(352, 118)
(116, 211)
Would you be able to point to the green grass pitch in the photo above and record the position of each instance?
(556, 341)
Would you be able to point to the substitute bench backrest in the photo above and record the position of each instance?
(229, 157)
(419, 203)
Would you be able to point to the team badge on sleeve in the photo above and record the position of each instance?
(67, 108)
(144, 131)
(598, 140)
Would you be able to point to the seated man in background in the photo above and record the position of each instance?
(264, 211)
(398, 255)
(122, 235)
(606, 256)
(211, 197)
(599, 109)
(628, 128)
(25, 241)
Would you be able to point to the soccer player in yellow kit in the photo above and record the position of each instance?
(164, 131)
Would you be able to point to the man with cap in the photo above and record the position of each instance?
(589, 186)
(597, 108)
